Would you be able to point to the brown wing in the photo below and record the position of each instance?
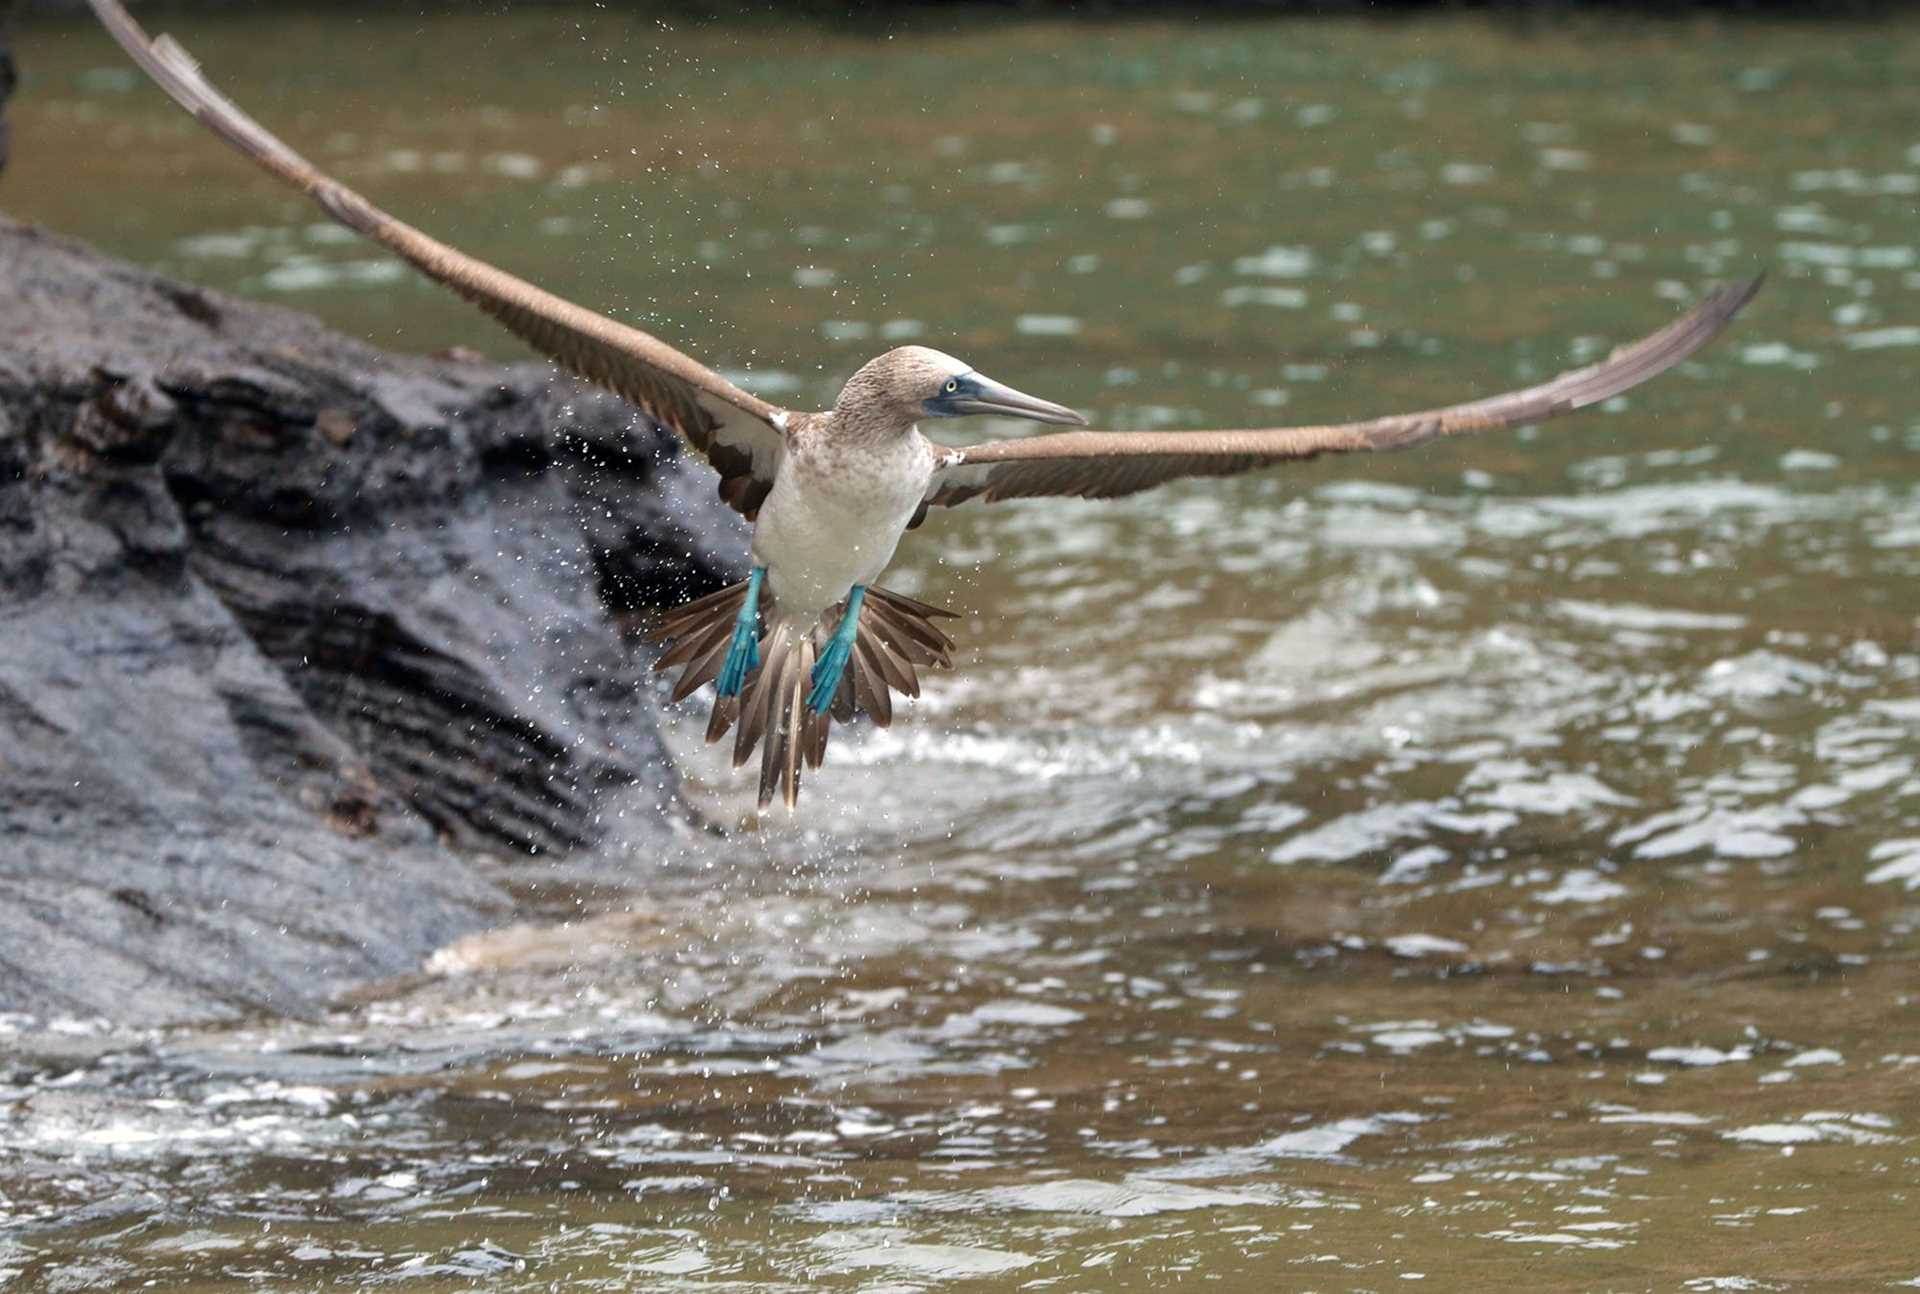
(741, 435)
(1106, 465)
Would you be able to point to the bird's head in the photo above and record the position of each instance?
(914, 382)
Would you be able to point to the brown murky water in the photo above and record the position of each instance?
(1493, 866)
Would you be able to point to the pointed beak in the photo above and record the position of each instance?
(976, 394)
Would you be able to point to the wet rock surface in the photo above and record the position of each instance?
(292, 631)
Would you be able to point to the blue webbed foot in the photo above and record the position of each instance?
(826, 674)
(743, 658)
(832, 664)
(743, 653)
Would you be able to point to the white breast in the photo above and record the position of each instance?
(836, 515)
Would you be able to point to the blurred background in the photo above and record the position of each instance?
(1497, 862)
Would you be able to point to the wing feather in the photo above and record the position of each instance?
(742, 435)
(1107, 465)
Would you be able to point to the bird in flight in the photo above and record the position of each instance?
(809, 636)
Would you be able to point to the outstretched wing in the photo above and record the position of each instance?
(741, 435)
(1106, 465)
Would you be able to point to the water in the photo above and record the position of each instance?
(1494, 864)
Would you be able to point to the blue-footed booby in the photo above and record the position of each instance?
(810, 636)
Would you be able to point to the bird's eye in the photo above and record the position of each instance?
(953, 385)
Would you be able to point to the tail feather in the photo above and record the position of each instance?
(787, 716)
(868, 686)
(818, 726)
(905, 603)
(918, 644)
(703, 610)
(793, 747)
(700, 633)
(758, 715)
(704, 668)
(725, 710)
(846, 702)
(895, 672)
(896, 638)
(694, 642)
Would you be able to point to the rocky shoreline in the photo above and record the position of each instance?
(293, 630)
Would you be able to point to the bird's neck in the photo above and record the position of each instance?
(865, 425)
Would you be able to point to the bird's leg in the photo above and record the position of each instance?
(833, 661)
(743, 654)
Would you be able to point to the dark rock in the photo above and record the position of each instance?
(289, 627)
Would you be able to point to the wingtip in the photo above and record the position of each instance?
(1716, 311)
(1742, 291)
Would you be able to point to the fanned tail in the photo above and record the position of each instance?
(897, 637)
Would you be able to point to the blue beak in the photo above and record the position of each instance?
(972, 393)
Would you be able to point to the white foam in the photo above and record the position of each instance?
(1324, 1141)
(1423, 945)
(1899, 861)
(1699, 1056)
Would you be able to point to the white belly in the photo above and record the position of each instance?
(834, 519)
